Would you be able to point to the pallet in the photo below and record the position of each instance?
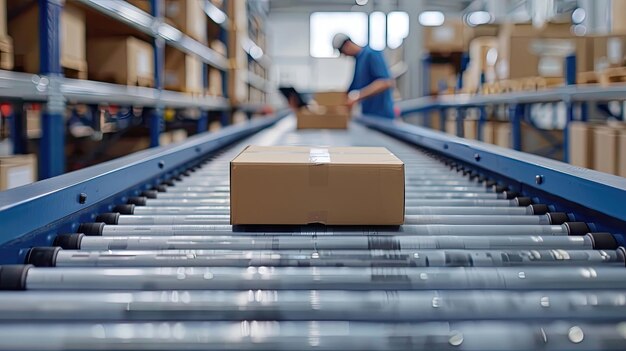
(613, 75)
(586, 78)
(6, 53)
(146, 82)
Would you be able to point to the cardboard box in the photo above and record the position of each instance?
(581, 144)
(526, 51)
(618, 20)
(182, 72)
(189, 17)
(143, 5)
(622, 155)
(121, 60)
(23, 30)
(4, 32)
(323, 117)
(470, 129)
(302, 185)
(442, 78)
(503, 134)
(606, 153)
(608, 51)
(448, 37)
(17, 170)
(330, 98)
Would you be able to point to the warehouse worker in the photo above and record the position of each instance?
(372, 84)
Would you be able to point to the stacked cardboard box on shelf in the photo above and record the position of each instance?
(6, 43)
(143, 5)
(339, 185)
(449, 37)
(189, 17)
(215, 87)
(329, 112)
(17, 170)
(609, 149)
(23, 30)
(121, 60)
(182, 72)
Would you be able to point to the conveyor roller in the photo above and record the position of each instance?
(476, 266)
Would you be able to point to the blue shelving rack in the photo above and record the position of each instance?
(53, 90)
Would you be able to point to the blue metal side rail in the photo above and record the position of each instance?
(36, 213)
(595, 197)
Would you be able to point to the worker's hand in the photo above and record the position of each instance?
(353, 98)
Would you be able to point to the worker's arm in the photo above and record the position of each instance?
(376, 87)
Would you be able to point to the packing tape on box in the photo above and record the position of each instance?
(319, 156)
(318, 172)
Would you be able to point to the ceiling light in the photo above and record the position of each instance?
(431, 18)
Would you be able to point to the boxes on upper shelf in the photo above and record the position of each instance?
(302, 185)
(23, 30)
(143, 5)
(121, 60)
(17, 170)
(189, 17)
(609, 155)
(448, 37)
(182, 72)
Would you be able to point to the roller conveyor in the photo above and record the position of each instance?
(476, 266)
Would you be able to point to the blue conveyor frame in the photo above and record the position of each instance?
(34, 214)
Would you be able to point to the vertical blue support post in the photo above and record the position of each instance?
(584, 111)
(426, 75)
(460, 117)
(570, 117)
(442, 119)
(482, 118)
(570, 70)
(465, 59)
(18, 128)
(203, 122)
(52, 143)
(223, 35)
(515, 117)
(156, 115)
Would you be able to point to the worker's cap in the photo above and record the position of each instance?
(338, 40)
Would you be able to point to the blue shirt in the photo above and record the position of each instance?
(370, 66)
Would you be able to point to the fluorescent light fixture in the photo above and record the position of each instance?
(477, 18)
(431, 18)
(397, 28)
(214, 13)
(256, 52)
(377, 30)
(361, 2)
(579, 15)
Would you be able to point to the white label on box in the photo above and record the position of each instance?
(18, 176)
(142, 64)
(443, 34)
(319, 156)
(614, 50)
(551, 66)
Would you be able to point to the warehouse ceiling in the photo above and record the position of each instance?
(449, 6)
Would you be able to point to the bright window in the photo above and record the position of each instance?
(324, 26)
(377, 30)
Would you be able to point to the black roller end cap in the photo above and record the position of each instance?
(137, 200)
(621, 254)
(13, 277)
(509, 195)
(482, 179)
(127, 209)
(491, 183)
(150, 194)
(108, 218)
(539, 209)
(186, 173)
(524, 201)
(69, 241)
(160, 188)
(501, 188)
(91, 229)
(168, 182)
(43, 256)
(177, 178)
(603, 241)
(576, 228)
(557, 218)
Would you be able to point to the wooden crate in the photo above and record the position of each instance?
(613, 75)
